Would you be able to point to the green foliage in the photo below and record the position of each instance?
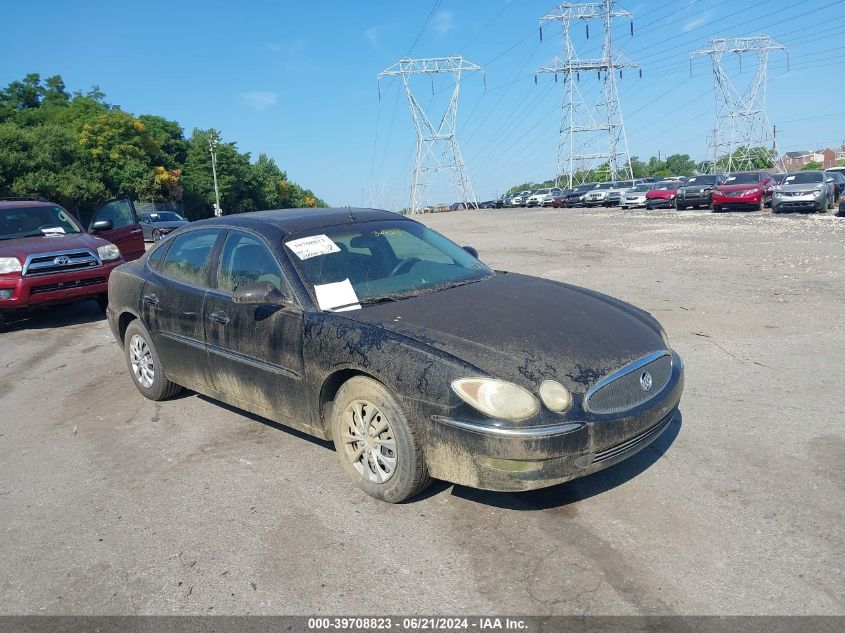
(79, 151)
(812, 166)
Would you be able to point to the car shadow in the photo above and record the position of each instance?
(267, 422)
(579, 489)
(77, 313)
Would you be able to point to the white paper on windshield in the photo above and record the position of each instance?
(308, 247)
(55, 230)
(790, 178)
(337, 297)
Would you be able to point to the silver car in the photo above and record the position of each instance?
(157, 225)
(806, 191)
(635, 197)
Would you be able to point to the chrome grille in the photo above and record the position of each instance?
(624, 388)
(634, 443)
(60, 262)
(67, 285)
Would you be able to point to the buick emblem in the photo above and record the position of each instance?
(62, 260)
(645, 381)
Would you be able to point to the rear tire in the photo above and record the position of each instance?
(103, 301)
(717, 208)
(377, 447)
(2, 322)
(144, 364)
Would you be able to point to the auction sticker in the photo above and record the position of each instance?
(308, 247)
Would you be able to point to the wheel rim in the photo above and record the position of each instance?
(368, 441)
(156, 236)
(141, 360)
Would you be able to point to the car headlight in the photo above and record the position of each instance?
(555, 396)
(750, 192)
(108, 252)
(497, 398)
(778, 194)
(817, 193)
(10, 265)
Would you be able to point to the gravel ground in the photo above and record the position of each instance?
(116, 505)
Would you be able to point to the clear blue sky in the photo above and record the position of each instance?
(297, 79)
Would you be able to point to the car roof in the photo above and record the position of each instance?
(296, 220)
(17, 204)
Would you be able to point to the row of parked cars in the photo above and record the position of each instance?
(804, 191)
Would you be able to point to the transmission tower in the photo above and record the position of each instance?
(742, 131)
(590, 132)
(437, 148)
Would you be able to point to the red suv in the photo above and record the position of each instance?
(744, 191)
(46, 258)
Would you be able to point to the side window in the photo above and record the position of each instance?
(118, 211)
(155, 258)
(189, 255)
(245, 260)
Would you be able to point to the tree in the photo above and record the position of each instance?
(812, 166)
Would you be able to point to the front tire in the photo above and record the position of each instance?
(377, 447)
(717, 208)
(103, 301)
(156, 235)
(144, 364)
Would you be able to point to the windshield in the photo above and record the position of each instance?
(642, 188)
(803, 178)
(605, 185)
(542, 192)
(35, 221)
(702, 180)
(166, 216)
(742, 179)
(350, 264)
(625, 184)
(586, 187)
(665, 186)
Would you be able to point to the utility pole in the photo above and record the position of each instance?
(213, 141)
(431, 137)
(590, 132)
(742, 127)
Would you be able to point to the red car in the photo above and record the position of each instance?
(744, 191)
(47, 259)
(663, 195)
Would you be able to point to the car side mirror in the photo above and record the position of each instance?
(719, 183)
(259, 293)
(102, 225)
(471, 250)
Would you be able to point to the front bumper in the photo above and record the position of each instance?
(43, 290)
(594, 202)
(739, 203)
(695, 198)
(785, 205)
(660, 203)
(632, 203)
(509, 459)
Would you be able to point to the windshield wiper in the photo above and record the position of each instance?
(369, 301)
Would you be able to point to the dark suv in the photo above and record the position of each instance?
(697, 191)
(46, 258)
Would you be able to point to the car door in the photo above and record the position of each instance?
(172, 303)
(255, 351)
(125, 231)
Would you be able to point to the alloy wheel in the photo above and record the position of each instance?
(141, 359)
(368, 441)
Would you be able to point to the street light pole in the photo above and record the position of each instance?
(212, 144)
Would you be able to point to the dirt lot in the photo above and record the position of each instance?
(111, 504)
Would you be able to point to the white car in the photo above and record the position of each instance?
(635, 197)
(536, 198)
(520, 199)
(549, 198)
(596, 197)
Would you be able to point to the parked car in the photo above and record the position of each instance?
(804, 191)
(520, 199)
(501, 202)
(636, 196)
(697, 191)
(662, 195)
(549, 198)
(156, 225)
(401, 347)
(576, 198)
(838, 179)
(778, 178)
(596, 196)
(614, 195)
(46, 258)
(743, 190)
(560, 200)
(841, 211)
(536, 198)
(487, 204)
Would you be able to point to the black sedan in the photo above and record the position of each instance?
(415, 358)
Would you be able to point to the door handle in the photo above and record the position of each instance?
(134, 231)
(151, 299)
(219, 317)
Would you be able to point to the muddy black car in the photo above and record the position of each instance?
(416, 359)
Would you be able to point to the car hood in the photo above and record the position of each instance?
(524, 329)
(810, 186)
(661, 193)
(25, 246)
(745, 187)
(696, 187)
